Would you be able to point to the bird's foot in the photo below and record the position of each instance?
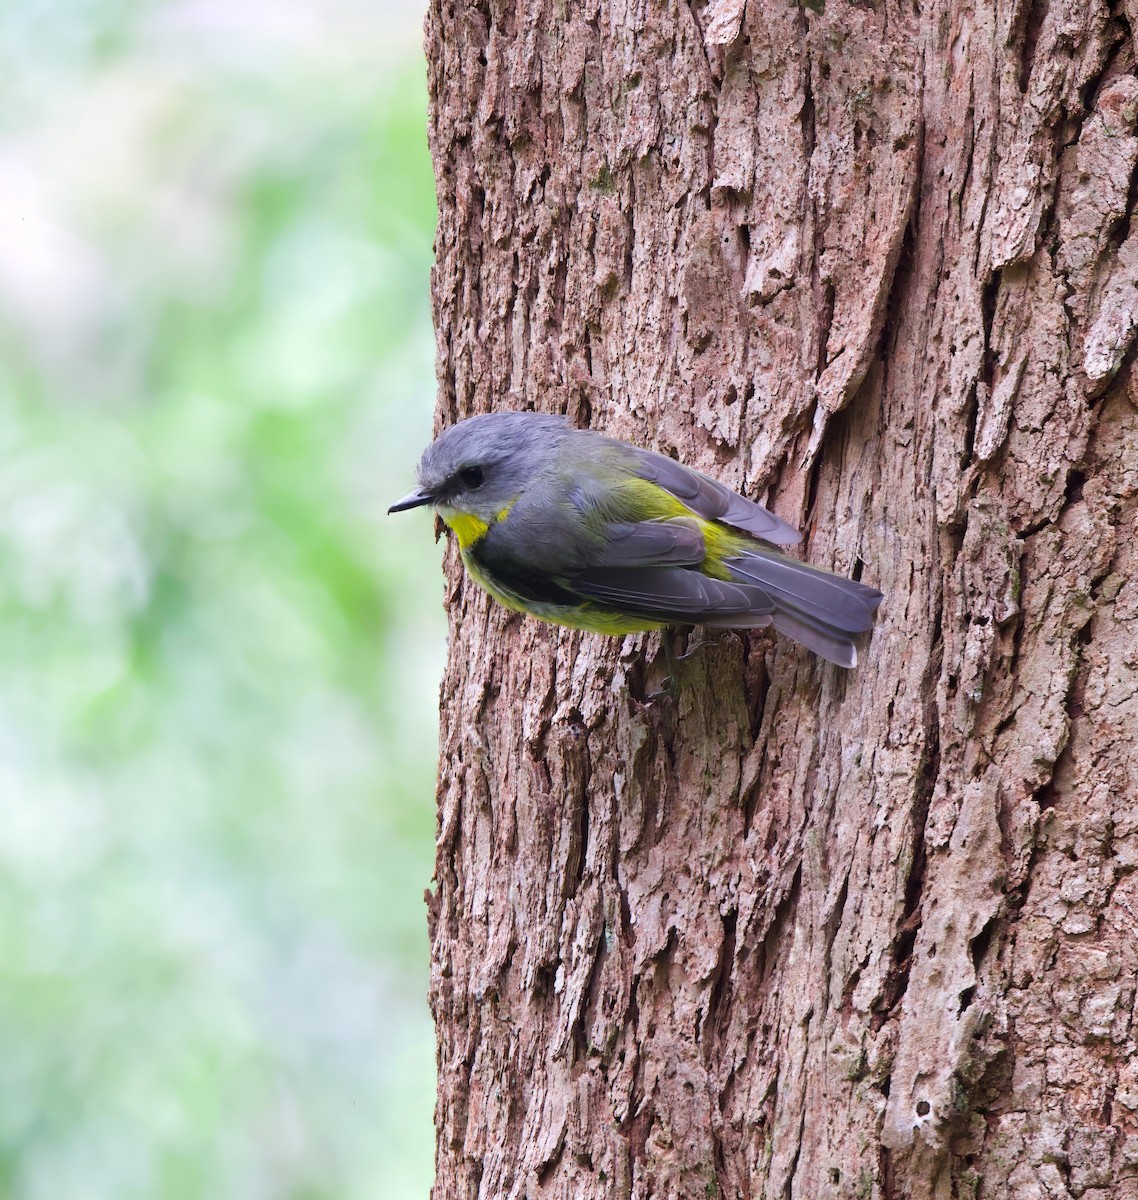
(669, 687)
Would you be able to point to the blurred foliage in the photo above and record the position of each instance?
(218, 660)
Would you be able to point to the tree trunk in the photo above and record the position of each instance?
(802, 932)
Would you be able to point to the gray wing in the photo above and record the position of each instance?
(674, 543)
(712, 500)
(676, 595)
(645, 568)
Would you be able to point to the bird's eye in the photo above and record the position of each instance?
(471, 476)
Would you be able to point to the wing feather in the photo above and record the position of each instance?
(712, 500)
(673, 594)
(676, 543)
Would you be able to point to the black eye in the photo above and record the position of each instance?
(471, 477)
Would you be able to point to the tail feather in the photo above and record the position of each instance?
(837, 648)
(841, 603)
(821, 611)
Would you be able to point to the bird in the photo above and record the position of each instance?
(583, 530)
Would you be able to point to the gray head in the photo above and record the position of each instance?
(482, 464)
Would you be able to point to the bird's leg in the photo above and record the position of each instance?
(670, 685)
(720, 637)
(671, 680)
(691, 650)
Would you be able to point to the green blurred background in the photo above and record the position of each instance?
(219, 661)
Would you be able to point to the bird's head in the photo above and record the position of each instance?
(474, 472)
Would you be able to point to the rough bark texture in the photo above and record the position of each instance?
(802, 933)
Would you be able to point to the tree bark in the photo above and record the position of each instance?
(801, 932)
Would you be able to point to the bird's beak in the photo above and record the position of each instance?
(415, 499)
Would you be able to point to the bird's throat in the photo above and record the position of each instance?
(468, 528)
